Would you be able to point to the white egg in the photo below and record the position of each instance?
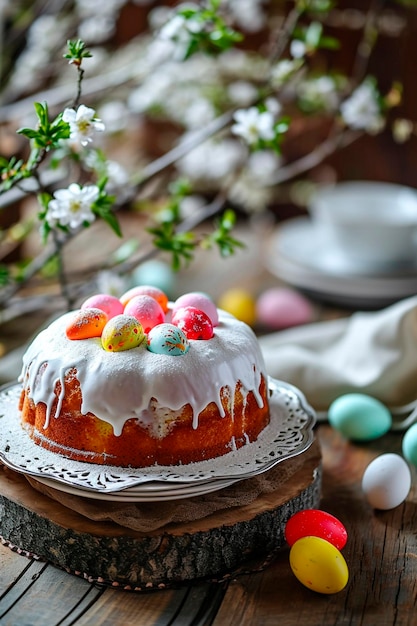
(386, 481)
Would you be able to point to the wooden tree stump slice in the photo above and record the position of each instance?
(221, 545)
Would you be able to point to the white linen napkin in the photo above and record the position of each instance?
(369, 352)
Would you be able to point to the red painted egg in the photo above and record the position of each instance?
(195, 324)
(316, 523)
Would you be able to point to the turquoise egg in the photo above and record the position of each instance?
(409, 444)
(359, 417)
(167, 339)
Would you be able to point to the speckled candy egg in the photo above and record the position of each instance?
(146, 290)
(86, 323)
(146, 310)
(194, 323)
(316, 523)
(359, 417)
(122, 332)
(318, 565)
(386, 481)
(105, 302)
(282, 308)
(199, 301)
(167, 339)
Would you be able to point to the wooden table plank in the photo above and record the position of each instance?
(381, 554)
(55, 595)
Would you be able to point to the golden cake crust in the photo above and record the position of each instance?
(88, 438)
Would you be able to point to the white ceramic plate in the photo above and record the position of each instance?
(289, 433)
(301, 254)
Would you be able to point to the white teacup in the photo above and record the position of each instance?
(372, 224)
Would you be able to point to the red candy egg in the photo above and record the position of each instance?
(86, 323)
(146, 290)
(195, 324)
(146, 310)
(315, 523)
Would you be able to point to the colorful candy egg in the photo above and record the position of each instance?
(122, 332)
(316, 523)
(359, 417)
(409, 445)
(86, 323)
(146, 310)
(199, 301)
(167, 339)
(194, 323)
(105, 302)
(318, 565)
(281, 307)
(156, 273)
(386, 481)
(239, 303)
(146, 290)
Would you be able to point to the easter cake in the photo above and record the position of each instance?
(139, 381)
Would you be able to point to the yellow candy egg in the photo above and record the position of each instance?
(239, 303)
(319, 565)
(122, 332)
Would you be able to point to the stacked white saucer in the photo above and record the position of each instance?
(357, 249)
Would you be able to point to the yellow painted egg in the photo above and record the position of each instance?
(86, 323)
(239, 303)
(122, 332)
(319, 565)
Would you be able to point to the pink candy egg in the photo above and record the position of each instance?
(109, 304)
(282, 308)
(315, 523)
(146, 290)
(86, 323)
(199, 301)
(195, 324)
(146, 310)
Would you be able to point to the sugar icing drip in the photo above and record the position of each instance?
(118, 386)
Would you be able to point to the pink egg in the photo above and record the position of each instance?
(281, 308)
(146, 290)
(146, 310)
(195, 324)
(199, 301)
(103, 301)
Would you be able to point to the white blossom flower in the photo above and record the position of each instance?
(262, 166)
(319, 92)
(181, 31)
(297, 49)
(252, 125)
(83, 124)
(248, 14)
(212, 160)
(283, 70)
(242, 92)
(361, 110)
(73, 206)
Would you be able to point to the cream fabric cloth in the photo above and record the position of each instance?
(370, 352)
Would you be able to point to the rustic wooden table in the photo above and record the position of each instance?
(381, 554)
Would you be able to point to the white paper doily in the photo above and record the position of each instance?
(289, 433)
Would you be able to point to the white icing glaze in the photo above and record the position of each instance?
(118, 386)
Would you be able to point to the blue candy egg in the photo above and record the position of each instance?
(359, 417)
(167, 339)
(409, 444)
